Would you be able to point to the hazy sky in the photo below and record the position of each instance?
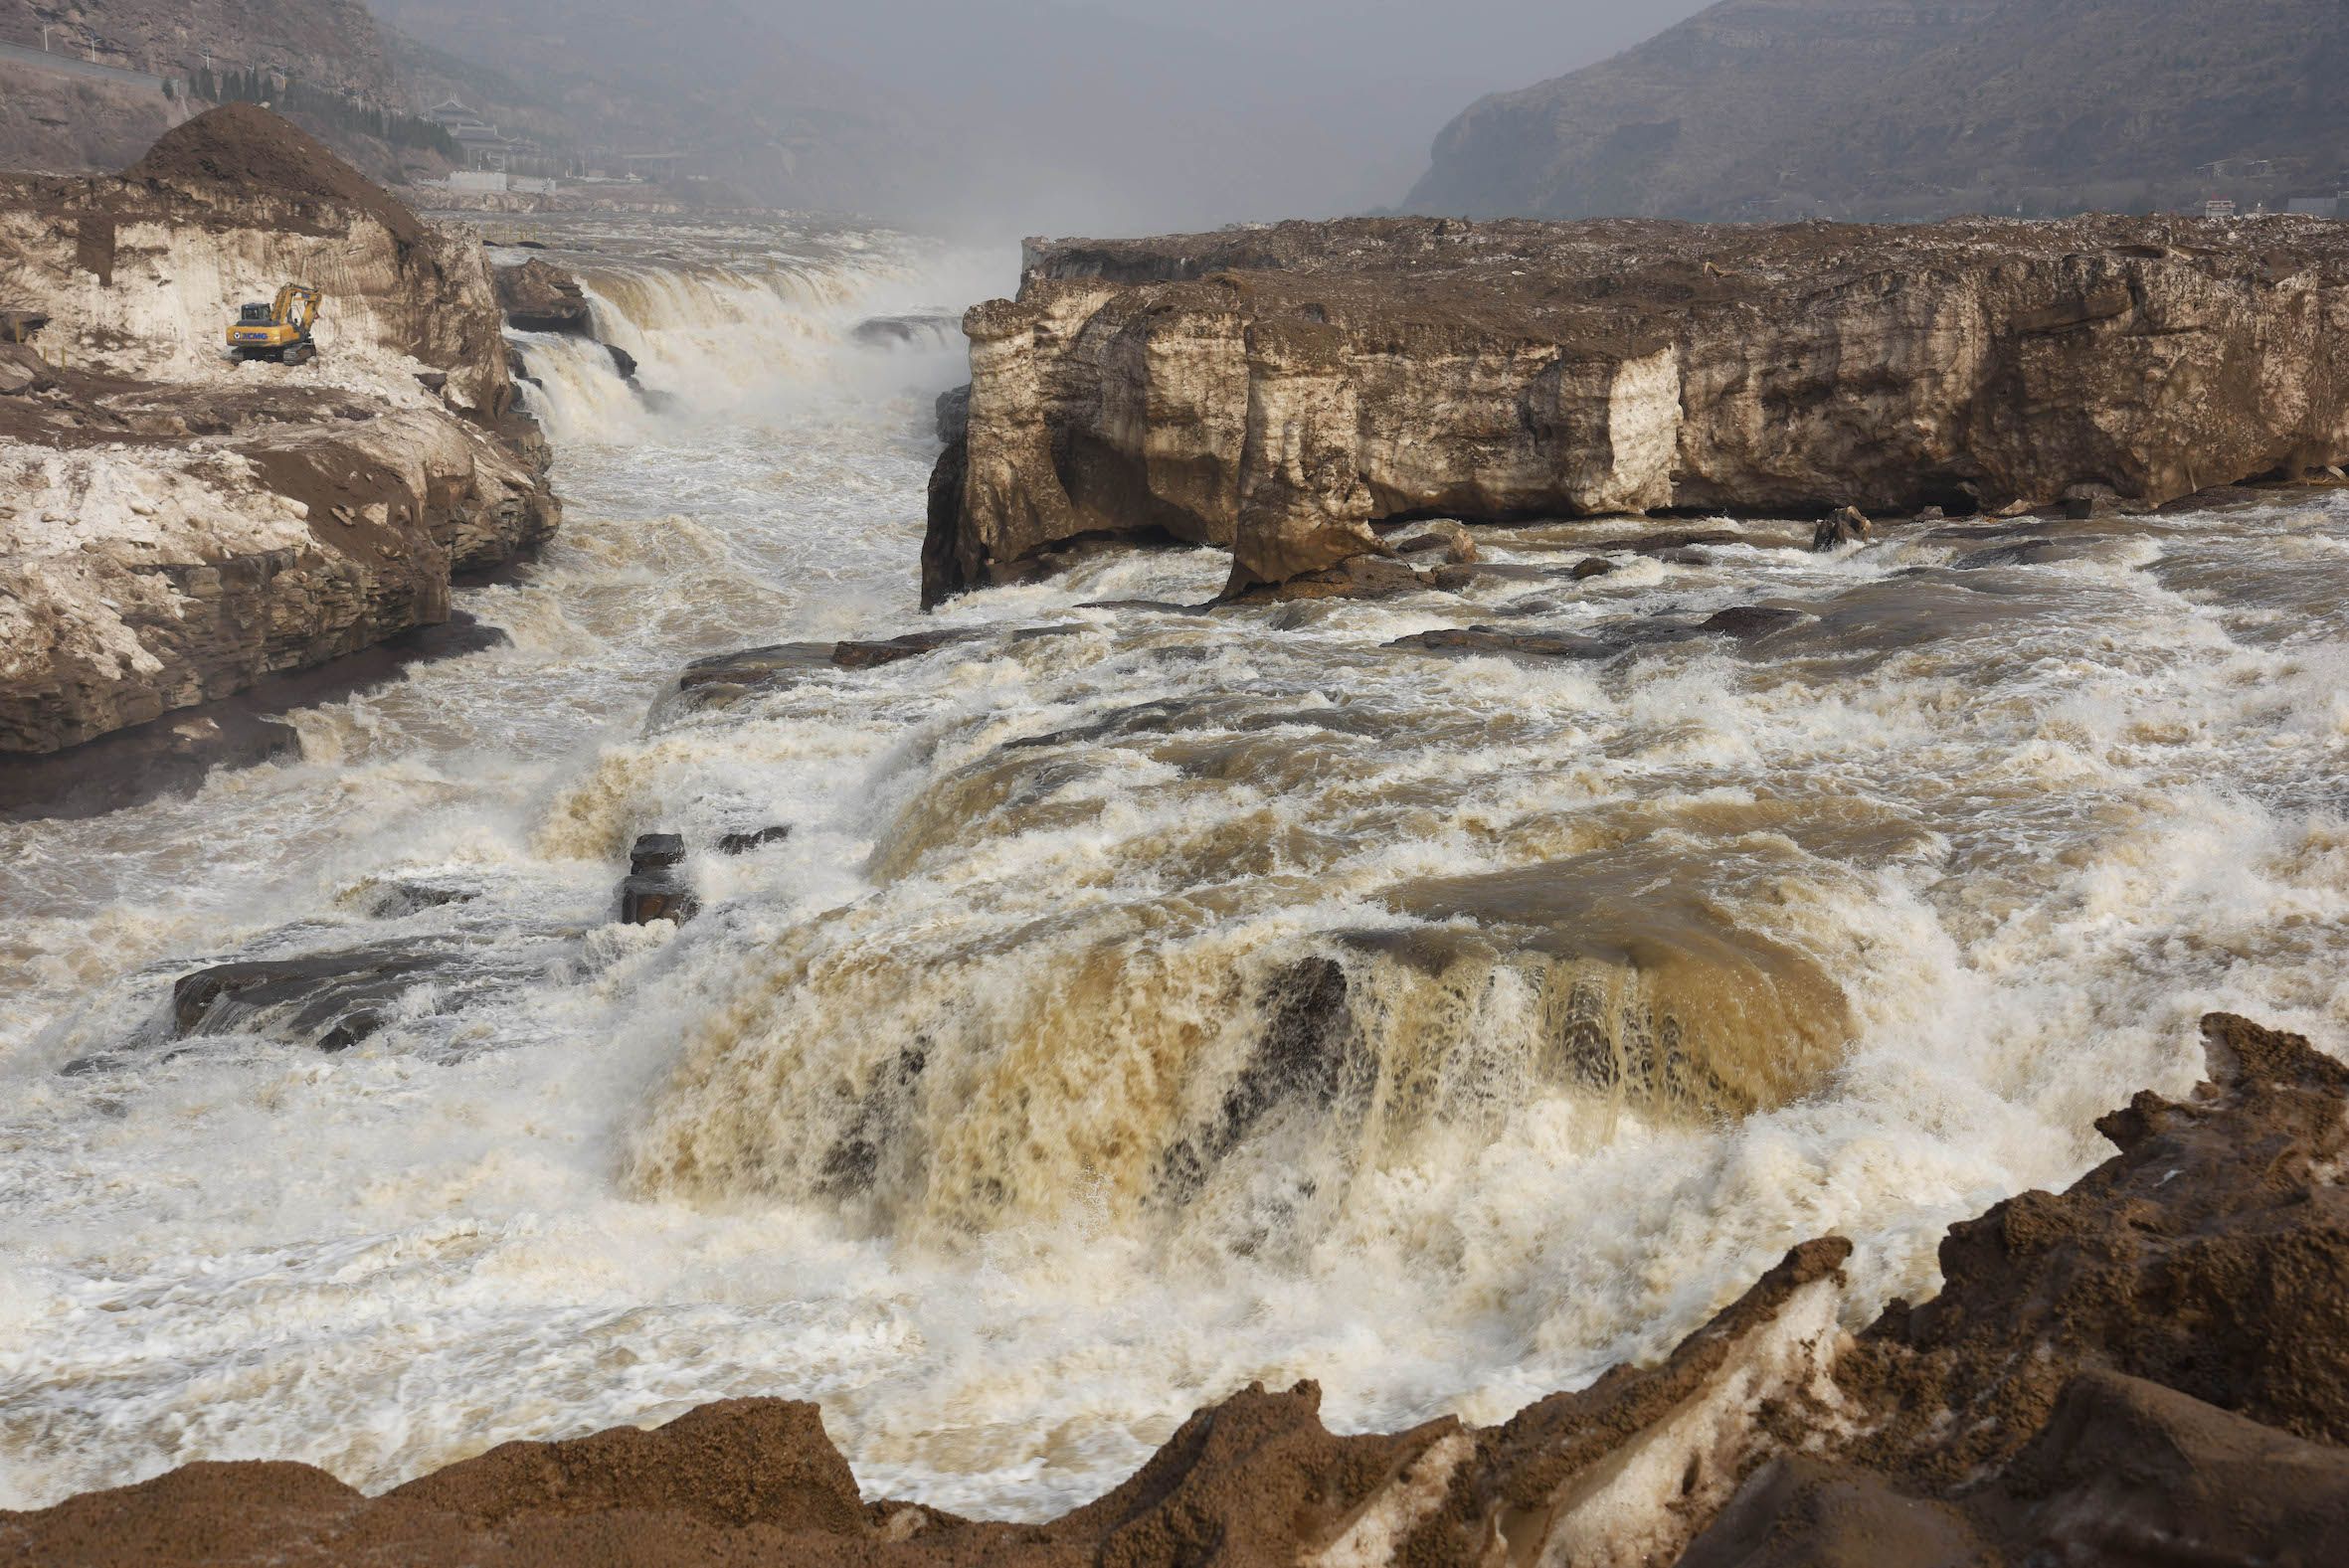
(1063, 116)
(1101, 115)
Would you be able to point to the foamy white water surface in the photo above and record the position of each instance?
(1137, 1008)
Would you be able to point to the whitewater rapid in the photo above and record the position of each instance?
(1142, 1003)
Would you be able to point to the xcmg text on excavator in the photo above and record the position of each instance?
(278, 331)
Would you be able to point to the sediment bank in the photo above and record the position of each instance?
(176, 526)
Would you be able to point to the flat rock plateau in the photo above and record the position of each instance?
(174, 526)
(1280, 390)
(2151, 1367)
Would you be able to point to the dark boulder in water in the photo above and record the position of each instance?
(1747, 623)
(654, 889)
(913, 645)
(656, 852)
(538, 298)
(656, 896)
(1850, 526)
(1490, 639)
(328, 1000)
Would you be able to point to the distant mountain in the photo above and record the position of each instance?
(90, 83)
(327, 42)
(1919, 108)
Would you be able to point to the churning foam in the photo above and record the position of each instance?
(1142, 1003)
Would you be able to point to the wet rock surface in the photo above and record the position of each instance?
(1849, 526)
(539, 298)
(752, 839)
(655, 889)
(723, 679)
(1280, 390)
(2151, 1367)
(335, 998)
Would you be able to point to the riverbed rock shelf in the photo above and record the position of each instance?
(2151, 1367)
(1279, 390)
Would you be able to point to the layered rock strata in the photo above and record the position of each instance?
(2152, 1368)
(1280, 390)
(173, 527)
(539, 298)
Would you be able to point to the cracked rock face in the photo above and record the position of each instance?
(173, 527)
(1277, 389)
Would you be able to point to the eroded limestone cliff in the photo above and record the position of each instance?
(173, 527)
(1279, 390)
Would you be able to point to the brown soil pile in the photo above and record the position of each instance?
(251, 151)
(2147, 1369)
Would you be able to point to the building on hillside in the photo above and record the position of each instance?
(2319, 207)
(2218, 206)
(452, 116)
(485, 146)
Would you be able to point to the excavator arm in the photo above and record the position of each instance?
(296, 307)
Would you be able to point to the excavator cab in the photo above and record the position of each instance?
(277, 331)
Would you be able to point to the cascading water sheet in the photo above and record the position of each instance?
(1142, 1002)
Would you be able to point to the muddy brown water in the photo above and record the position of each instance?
(1135, 1011)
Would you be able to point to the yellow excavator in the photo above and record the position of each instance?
(280, 332)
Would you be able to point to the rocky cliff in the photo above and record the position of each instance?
(173, 527)
(1280, 390)
(1918, 108)
(2152, 1368)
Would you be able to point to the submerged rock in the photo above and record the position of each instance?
(1358, 577)
(334, 999)
(1850, 526)
(1749, 623)
(872, 655)
(1490, 640)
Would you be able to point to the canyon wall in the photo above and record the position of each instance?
(1279, 390)
(173, 526)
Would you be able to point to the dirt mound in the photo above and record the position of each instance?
(2147, 1368)
(256, 153)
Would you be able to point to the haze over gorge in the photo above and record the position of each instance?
(739, 874)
